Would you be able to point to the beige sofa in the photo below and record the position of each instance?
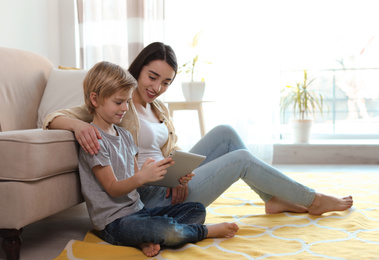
(38, 168)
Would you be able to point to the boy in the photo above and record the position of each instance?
(110, 178)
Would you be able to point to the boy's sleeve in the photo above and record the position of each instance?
(80, 112)
(101, 158)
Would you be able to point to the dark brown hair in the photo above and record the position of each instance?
(154, 51)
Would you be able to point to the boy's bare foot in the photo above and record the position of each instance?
(150, 249)
(222, 230)
(276, 205)
(325, 203)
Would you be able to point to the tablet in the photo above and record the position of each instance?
(184, 163)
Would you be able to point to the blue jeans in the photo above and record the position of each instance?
(168, 226)
(228, 160)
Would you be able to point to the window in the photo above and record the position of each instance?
(351, 103)
(257, 47)
(338, 42)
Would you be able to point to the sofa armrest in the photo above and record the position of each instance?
(30, 155)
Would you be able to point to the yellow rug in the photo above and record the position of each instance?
(352, 234)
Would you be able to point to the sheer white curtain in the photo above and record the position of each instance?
(239, 38)
(117, 30)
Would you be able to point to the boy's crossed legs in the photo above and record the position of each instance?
(222, 230)
(174, 225)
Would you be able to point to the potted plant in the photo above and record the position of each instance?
(304, 103)
(193, 90)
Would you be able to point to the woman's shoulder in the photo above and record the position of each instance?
(160, 105)
(158, 102)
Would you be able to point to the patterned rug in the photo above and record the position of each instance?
(352, 234)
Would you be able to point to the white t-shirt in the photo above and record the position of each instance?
(152, 137)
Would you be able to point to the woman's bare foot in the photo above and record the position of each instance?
(222, 230)
(276, 205)
(325, 203)
(150, 249)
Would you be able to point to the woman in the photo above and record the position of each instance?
(228, 159)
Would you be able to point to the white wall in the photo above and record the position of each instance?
(46, 27)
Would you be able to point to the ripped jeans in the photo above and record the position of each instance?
(168, 226)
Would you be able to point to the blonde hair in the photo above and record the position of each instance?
(105, 79)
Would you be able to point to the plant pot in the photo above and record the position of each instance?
(193, 91)
(301, 130)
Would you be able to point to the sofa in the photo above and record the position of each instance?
(38, 168)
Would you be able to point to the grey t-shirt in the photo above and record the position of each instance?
(117, 151)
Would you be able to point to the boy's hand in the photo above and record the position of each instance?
(154, 171)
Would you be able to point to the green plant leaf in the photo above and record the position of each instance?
(195, 39)
(190, 66)
(303, 100)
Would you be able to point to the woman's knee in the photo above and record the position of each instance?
(225, 130)
(245, 155)
(229, 133)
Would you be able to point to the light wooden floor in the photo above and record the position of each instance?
(47, 238)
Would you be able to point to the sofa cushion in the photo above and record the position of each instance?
(64, 89)
(23, 77)
(30, 155)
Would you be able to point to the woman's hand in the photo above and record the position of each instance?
(184, 180)
(87, 135)
(179, 194)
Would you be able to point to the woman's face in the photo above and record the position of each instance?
(154, 80)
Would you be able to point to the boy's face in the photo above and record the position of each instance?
(112, 109)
